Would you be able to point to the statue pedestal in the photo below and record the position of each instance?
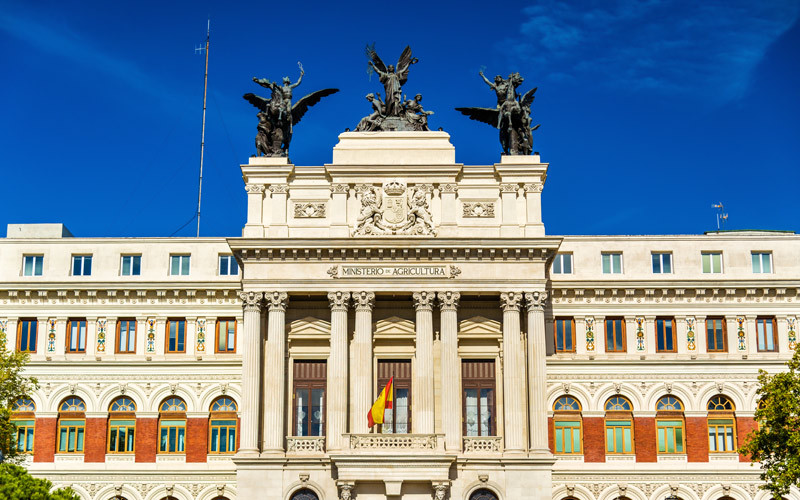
(529, 173)
(266, 182)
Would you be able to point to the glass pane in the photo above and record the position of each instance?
(221, 337)
(181, 335)
(174, 267)
(232, 439)
(173, 329)
(619, 439)
(656, 263)
(76, 266)
(126, 266)
(471, 409)
(666, 262)
(568, 263)
(163, 446)
(28, 266)
(609, 440)
(627, 440)
(62, 439)
(137, 265)
(716, 263)
(706, 263)
(669, 337)
(301, 401)
(82, 335)
(568, 335)
(234, 266)
(557, 264)
(172, 439)
(756, 262)
(87, 265)
(766, 263)
(770, 337)
(617, 263)
(231, 335)
(679, 439)
(37, 268)
(401, 413)
(185, 265)
(606, 263)
(214, 438)
(223, 266)
(618, 330)
(485, 413)
(112, 439)
(129, 444)
(317, 411)
(559, 440)
(576, 440)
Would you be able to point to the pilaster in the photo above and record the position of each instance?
(513, 373)
(337, 370)
(251, 368)
(451, 370)
(275, 373)
(361, 379)
(537, 372)
(423, 371)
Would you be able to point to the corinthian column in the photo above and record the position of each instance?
(423, 369)
(451, 371)
(537, 372)
(361, 377)
(513, 373)
(337, 370)
(274, 373)
(251, 367)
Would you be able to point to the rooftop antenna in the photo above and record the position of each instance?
(721, 215)
(199, 50)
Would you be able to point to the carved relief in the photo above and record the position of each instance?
(394, 209)
(310, 210)
(478, 209)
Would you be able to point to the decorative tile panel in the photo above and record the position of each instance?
(639, 334)
(101, 335)
(691, 343)
(151, 336)
(742, 340)
(3, 335)
(51, 336)
(201, 335)
(791, 322)
(590, 334)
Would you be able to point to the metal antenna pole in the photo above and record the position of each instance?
(203, 133)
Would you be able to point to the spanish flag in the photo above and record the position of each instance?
(384, 401)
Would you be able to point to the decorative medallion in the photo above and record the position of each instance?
(51, 337)
(690, 340)
(151, 335)
(790, 321)
(478, 209)
(394, 209)
(742, 344)
(101, 335)
(590, 334)
(639, 334)
(201, 335)
(3, 336)
(310, 210)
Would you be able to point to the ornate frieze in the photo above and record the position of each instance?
(309, 210)
(394, 209)
(478, 209)
(420, 271)
(509, 188)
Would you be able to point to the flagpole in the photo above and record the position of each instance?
(203, 133)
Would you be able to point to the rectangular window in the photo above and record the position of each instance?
(70, 436)
(172, 436)
(665, 335)
(26, 335)
(712, 262)
(568, 436)
(179, 265)
(24, 435)
(226, 335)
(612, 263)
(223, 436)
(478, 384)
(228, 266)
(76, 335)
(131, 265)
(670, 436)
(81, 265)
(562, 263)
(121, 436)
(762, 262)
(396, 420)
(176, 335)
(766, 332)
(662, 263)
(619, 436)
(615, 335)
(32, 265)
(126, 336)
(564, 331)
(716, 335)
(720, 435)
(309, 397)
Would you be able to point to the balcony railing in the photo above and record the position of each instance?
(396, 442)
(305, 444)
(483, 444)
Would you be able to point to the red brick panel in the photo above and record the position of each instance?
(644, 439)
(196, 439)
(551, 434)
(94, 444)
(44, 440)
(744, 426)
(697, 439)
(594, 439)
(146, 439)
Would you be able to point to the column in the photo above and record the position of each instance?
(275, 373)
(337, 370)
(537, 372)
(338, 211)
(254, 227)
(533, 206)
(423, 421)
(251, 368)
(513, 373)
(508, 197)
(361, 379)
(279, 227)
(451, 370)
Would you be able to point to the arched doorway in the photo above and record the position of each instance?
(304, 494)
(483, 494)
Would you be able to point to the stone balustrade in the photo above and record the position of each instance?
(305, 444)
(483, 444)
(396, 442)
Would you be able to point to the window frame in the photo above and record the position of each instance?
(180, 257)
(563, 320)
(724, 347)
(674, 335)
(674, 414)
(67, 345)
(660, 256)
(571, 416)
(231, 260)
(623, 327)
(118, 340)
(479, 383)
(228, 350)
(726, 418)
(617, 415)
(20, 324)
(177, 332)
(83, 259)
(25, 422)
(172, 417)
(761, 255)
(401, 381)
(309, 384)
(560, 257)
(711, 254)
(71, 418)
(35, 257)
(774, 323)
(611, 256)
(123, 417)
(131, 256)
(223, 416)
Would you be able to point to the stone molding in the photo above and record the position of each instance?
(279, 188)
(340, 188)
(339, 301)
(251, 301)
(448, 188)
(254, 188)
(509, 188)
(533, 187)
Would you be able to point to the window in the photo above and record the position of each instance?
(32, 265)
(396, 420)
(567, 423)
(716, 335)
(712, 262)
(22, 416)
(131, 265)
(226, 335)
(483, 494)
(81, 265)
(222, 426)
(564, 333)
(121, 425)
(665, 335)
(721, 433)
(179, 265)
(76, 335)
(619, 425)
(762, 262)
(612, 263)
(176, 336)
(228, 266)
(71, 425)
(304, 494)
(172, 425)
(766, 331)
(562, 264)
(615, 335)
(309, 398)
(478, 385)
(126, 336)
(669, 425)
(26, 335)
(662, 263)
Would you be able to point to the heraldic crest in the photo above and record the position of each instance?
(394, 208)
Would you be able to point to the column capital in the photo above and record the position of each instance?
(364, 300)
(339, 301)
(276, 301)
(254, 188)
(279, 188)
(340, 188)
(510, 301)
(448, 301)
(423, 301)
(535, 300)
(251, 301)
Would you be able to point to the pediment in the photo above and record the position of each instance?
(309, 327)
(394, 326)
(479, 326)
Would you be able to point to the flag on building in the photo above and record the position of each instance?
(384, 402)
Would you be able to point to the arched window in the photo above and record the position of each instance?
(172, 425)
(71, 425)
(121, 425)
(222, 426)
(22, 416)
(721, 424)
(567, 423)
(619, 425)
(304, 494)
(669, 425)
(483, 494)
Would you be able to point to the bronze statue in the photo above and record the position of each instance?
(277, 116)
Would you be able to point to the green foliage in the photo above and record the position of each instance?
(13, 385)
(776, 444)
(17, 484)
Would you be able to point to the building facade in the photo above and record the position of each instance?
(525, 366)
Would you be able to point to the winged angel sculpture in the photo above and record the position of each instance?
(394, 111)
(277, 116)
(512, 116)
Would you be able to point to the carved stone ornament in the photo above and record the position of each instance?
(364, 300)
(279, 188)
(509, 188)
(448, 300)
(394, 209)
(310, 210)
(277, 301)
(340, 188)
(251, 301)
(536, 300)
(440, 490)
(345, 490)
(532, 188)
(423, 301)
(448, 188)
(510, 301)
(479, 209)
(339, 301)
(254, 188)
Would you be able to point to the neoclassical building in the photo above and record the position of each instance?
(525, 365)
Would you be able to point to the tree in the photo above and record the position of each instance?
(13, 385)
(17, 484)
(776, 443)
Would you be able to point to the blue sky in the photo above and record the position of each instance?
(651, 110)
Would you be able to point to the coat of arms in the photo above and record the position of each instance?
(394, 209)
